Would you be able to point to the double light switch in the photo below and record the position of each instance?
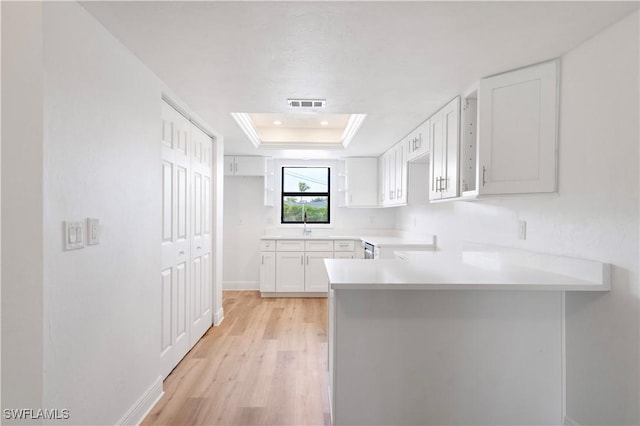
(74, 232)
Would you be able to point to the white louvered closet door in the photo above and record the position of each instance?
(201, 259)
(175, 275)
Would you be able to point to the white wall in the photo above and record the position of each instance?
(102, 305)
(80, 328)
(247, 219)
(595, 216)
(244, 223)
(22, 272)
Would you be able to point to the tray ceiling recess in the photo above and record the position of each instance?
(305, 126)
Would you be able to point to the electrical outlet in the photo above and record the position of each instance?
(522, 229)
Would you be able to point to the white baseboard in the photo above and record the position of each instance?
(568, 421)
(139, 410)
(218, 317)
(320, 294)
(241, 285)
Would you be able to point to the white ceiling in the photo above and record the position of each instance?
(398, 62)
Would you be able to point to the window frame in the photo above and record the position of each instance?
(284, 193)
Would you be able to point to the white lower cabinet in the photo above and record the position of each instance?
(315, 274)
(268, 271)
(290, 271)
(297, 266)
(344, 255)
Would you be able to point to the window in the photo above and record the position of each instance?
(305, 193)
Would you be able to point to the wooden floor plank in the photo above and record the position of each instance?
(266, 364)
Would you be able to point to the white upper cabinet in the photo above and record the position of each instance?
(383, 183)
(361, 187)
(444, 132)
(392, 175)
(401, 173)
(517, 131)
(418, 141)
(244, 166)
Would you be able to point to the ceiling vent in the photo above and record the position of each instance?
(307, 103)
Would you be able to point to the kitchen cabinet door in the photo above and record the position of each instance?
(268, 272)
(315, 275)
(289, 271)
(401, 173)
(444, 132)
(388, 182)
(436, 169)
(344, 255)
(382, 181)
(249, 166)
(518, 126)
(451, 148)
(418, 141)
(391, 175)
(229, 165)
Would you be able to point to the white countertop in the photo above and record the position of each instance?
(377, 240)
(400, 242)
(310, 237)
(471, 270)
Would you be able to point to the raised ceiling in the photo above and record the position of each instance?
(300, 130)
(398, 62)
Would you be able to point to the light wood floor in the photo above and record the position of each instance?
(265, 365)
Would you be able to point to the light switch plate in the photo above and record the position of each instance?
(73, 235)
(93, 231)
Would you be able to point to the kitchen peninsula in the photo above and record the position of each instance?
(474, 337)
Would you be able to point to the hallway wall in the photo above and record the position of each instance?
(81, 328)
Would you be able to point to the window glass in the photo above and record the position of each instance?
(305, 195)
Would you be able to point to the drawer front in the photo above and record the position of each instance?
(289, 245)
(267, 245)
(319, 245)
(344, 245)
(344, 255)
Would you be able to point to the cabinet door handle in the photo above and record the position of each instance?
(236, 167)
(263, 259)
(231, 167)
(302, 260)
(307, 260)
(399, 193)
(484, 171)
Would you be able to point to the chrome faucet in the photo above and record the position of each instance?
(305, 231)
